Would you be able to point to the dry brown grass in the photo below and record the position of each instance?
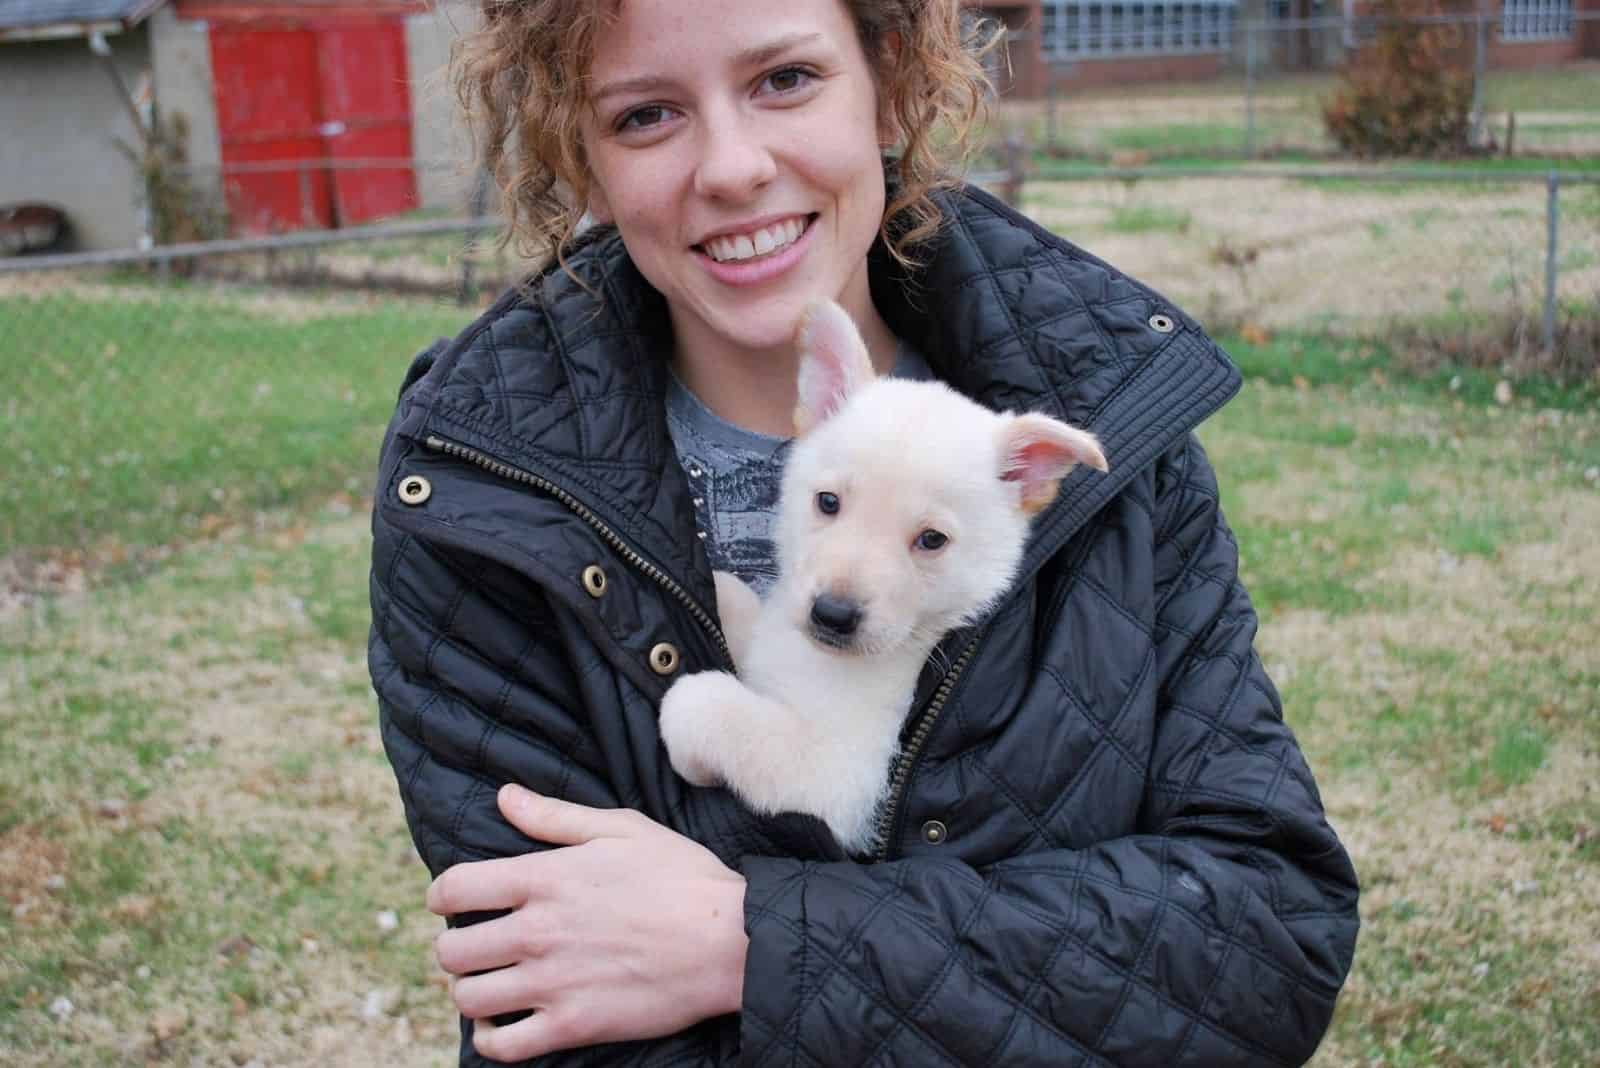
(1352, 255)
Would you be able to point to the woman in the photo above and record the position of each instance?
(1101, 845)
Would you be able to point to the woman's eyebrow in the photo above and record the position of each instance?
(754, 57)
(750, 57)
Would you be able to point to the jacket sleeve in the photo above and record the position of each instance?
(478, 686)
(1220, 934)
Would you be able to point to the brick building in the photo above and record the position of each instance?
(1084, 43)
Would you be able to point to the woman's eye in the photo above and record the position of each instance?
(643, 118)
(932, 540)
(827, 503)
(788, 79)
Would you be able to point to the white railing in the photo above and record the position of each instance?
(1536, 20)
(1081, 29)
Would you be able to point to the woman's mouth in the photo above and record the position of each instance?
(759, 256)
(757, 244)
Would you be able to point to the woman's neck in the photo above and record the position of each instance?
(755, 389)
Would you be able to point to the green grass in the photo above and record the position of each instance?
(261, 834)
(133, 419)
(1322, 359)
(1201, 138)
(1148, 218)
(1543, 90)
(1421, 559)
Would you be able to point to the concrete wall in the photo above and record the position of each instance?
(58, 132)
(439, 138)
(180, 52)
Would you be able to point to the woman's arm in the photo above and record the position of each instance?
(477, 687)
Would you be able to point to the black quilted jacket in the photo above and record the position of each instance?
(1103, 844)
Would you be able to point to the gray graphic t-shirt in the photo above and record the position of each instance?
(734, 476)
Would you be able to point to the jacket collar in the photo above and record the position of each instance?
(568, 380)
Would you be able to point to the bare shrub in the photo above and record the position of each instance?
(1409, 93)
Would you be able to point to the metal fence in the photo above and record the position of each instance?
(1163, 78)
(151, 395)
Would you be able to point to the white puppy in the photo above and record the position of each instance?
(903, 514)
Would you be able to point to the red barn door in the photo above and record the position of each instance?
(313, 90)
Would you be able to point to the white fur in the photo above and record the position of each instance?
(810, 727)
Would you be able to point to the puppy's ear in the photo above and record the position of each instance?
(833, 363)
(1037, 451)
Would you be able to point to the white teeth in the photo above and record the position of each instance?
(746, 246)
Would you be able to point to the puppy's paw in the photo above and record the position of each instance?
(688, 725)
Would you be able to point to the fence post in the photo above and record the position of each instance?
(1250, 89)
(307, 216)
(1480, 50)
(1013, 186)
(1551, 271)
(1050, 110)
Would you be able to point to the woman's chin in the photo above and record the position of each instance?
(760, 326)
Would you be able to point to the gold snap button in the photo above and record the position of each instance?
(664, 658)
(1161, 324)
(934, 832)
(414, 489)
(594, 580)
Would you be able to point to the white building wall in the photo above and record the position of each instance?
(59, 128)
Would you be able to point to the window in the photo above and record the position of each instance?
(1101, 29)
(1535, 20)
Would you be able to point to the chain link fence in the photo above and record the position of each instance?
(150, 396)
(1447, 254)
(1151, 79)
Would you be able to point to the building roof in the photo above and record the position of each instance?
(61, 18)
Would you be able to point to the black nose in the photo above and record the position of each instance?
(836, 615)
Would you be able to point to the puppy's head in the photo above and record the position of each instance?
(905, 505)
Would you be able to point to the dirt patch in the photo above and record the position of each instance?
(1340, 255)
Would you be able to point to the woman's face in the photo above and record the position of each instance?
(735, 144)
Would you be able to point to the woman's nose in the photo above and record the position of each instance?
(735, 159)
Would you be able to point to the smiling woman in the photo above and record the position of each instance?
(722, 123)
(1098, 842)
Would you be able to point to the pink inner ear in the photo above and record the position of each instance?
(1038, 451)
(833, 362)
(1032, 461)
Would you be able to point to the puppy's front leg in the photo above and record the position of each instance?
(695, 714)
(718, 730)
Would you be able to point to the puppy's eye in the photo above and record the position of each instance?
(827, 503)
(932, 540)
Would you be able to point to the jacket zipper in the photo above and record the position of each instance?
(661, 578)
(901, 775)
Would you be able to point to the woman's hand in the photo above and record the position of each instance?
(629, 931)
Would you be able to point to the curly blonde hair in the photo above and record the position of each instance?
(521, 76)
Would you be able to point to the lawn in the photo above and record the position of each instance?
(206, 860)
(135, 413)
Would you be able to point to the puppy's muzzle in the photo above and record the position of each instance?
(834, 620)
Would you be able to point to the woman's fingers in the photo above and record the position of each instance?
(532, 1036)
(481, 886)
(484, 946)
(508, 882)
(514, 989)
(547, 819)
